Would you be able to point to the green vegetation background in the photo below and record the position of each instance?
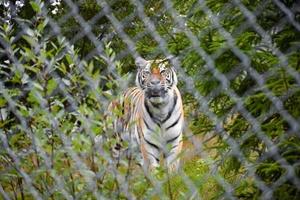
(53, 77)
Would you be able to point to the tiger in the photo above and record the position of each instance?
(152, 117)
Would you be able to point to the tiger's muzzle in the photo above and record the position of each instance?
(156, 94)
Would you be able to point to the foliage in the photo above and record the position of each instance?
(56, 84)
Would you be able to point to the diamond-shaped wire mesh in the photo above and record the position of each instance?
(63, 61)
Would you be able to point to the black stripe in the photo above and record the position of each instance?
(172, 78)
(176, 121)
(141, 81)
(156, 121)
(173, 139)
(170, 151)
(123, 107)
(151, 144)
(157, 159)
(171, 109)
(147, 125)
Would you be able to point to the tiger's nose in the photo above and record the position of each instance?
(155, 81)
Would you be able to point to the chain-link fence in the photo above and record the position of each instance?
(63, 61)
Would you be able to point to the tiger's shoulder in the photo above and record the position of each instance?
(124, 106)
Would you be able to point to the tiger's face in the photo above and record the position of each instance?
(156, 80)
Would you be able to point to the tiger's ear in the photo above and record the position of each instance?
(174, 61)
(141, 62)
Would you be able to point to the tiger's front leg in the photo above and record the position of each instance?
(150, 156)
(173, 155)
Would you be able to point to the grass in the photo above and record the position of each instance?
(194, 181)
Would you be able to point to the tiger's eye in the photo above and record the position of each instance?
(145, 74)
(163, 72)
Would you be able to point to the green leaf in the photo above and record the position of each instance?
(42, 25)
(35, 6)
(30, 40)
(2, 101)
(69, 59)
(38, 86)
(51, 86)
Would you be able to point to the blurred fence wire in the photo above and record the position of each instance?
(63, 61)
